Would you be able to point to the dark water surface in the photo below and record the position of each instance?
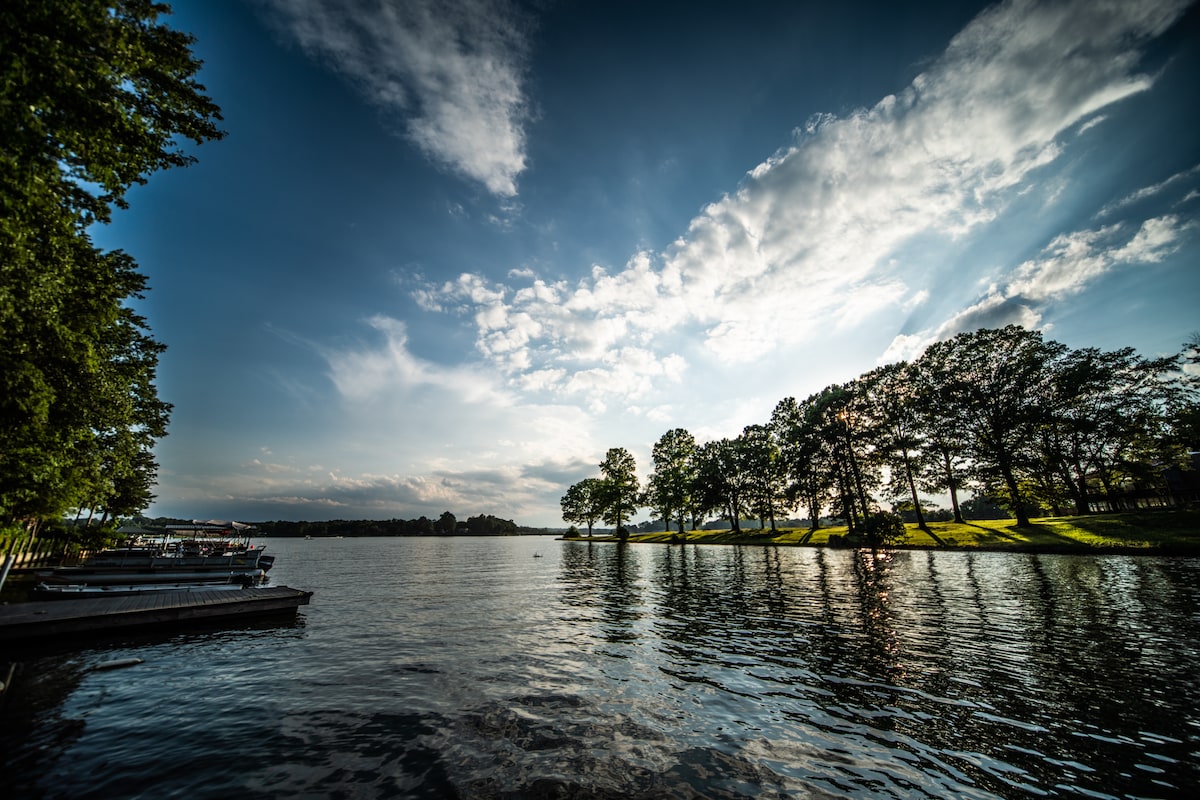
(468, 668)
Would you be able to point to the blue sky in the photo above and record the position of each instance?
(451, 252)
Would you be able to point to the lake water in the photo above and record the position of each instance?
(467, 667)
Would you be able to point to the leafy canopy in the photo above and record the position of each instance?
(94, 97)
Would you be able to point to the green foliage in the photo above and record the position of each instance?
(93, 96)
(447, 523)
(584, 503)
(883, 529)
(487, 525)
(671, 488)
(481, 525)
(618, 490)
(1030, 423)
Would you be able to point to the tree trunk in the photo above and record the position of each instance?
(912, 487)
(1010, 481)
(952, 485)
(1083, 502)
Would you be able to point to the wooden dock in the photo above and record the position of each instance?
(41, 620)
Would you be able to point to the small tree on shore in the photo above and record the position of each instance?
(619, 487)
(583, 503)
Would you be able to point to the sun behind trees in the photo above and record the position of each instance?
(95, 98)
(1026, 422)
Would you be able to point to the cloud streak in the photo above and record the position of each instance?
(453, 70)
(1064, 268)
(806, 243)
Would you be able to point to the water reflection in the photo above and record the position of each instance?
(972, 672)
(603, 578)
(470, 669)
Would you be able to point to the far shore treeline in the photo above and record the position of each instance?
(445, 525)
(1021, 421)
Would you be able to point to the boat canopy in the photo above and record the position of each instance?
(211, 526)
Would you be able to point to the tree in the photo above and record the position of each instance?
(488, 525)
(94, 97)
(805, 455)
(1001, 376)
(890, 395)
(583, 503)
(931, 375)
(838, 420)
(723, 481)
(1103, 412)
(766, 473)
(447, 523)
(672, 483)
(619, 489)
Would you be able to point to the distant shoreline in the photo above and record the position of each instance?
(1165, 532)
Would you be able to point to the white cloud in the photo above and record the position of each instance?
(369, 371)
(804, 246)
(452, 69)
(1065, 267)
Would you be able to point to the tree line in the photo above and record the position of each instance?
(1027, 421)
(94, 97)
(445, 525)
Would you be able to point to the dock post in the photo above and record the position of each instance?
(9, 558)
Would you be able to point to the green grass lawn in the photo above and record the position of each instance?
(1141, 531)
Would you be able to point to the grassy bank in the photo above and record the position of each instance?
(1176, 532)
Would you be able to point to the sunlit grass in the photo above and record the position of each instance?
(1170, 531)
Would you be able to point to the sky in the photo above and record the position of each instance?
(452, 251)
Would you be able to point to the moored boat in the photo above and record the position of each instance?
(67, 591)
(108, 578)
(189, 548)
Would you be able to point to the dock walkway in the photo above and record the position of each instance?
(39, 620)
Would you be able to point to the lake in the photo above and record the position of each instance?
(468, 667)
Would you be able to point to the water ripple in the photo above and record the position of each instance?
(430, 668)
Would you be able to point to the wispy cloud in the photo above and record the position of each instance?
(452, 70)
(387, 366)
(1176, 181)
(1064, 268)
(805, 244)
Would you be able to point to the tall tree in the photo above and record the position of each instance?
(839, 421)
(1001, 378)
(673, 481)
(931, 376)
(620, 486)
(447, 523)
(811, 479)
(94, 97)
(890, 399)
(723, 480)
(766, 473)
(1107, 414)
